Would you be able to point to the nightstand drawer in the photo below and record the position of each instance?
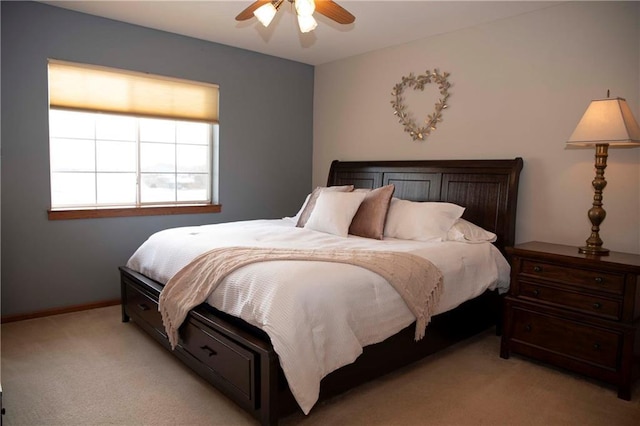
(594, 305)
(585, 278)
(567, 338)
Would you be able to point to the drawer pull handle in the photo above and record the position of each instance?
(537, 268)
(208, 349)
(597, 306)
(143, 307)
(536, 292)
(599, 280)
(527, 327)
(596, 346)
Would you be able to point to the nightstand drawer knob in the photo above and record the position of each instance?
(536, 292)
(597, 306)
(527, 327)
(599, 280)
(596, 346)
(537, 268)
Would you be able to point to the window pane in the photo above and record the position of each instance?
(116, 156)
(157, 187)
(68, 155)
(73, 189)
(96, 159)
(192, 133)
(116, 188)
(156, 130)
(71, 124)
(157, 157)
(115, 127)
(193, 187)
(192, 158)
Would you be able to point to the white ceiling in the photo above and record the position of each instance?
(378, 24)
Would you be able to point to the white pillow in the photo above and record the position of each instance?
(422, 221)
(304, 215)
(467, 232)
(334, 211)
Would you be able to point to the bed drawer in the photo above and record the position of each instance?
(571, 339)
(231, 363)
(142, 306)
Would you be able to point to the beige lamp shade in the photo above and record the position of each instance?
(607, 121)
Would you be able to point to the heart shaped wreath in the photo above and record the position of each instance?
(418, 83)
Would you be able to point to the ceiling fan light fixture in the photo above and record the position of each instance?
(306, 23)
(265, 13)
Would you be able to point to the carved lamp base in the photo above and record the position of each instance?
(596, 212)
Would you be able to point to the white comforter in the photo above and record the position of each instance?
(318, 315)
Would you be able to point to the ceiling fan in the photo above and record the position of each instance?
(265, 10)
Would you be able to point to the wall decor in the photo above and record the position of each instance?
(417, 83)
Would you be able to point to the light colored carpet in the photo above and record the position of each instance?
(88, 368)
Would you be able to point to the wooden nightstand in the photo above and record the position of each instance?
(575, 311)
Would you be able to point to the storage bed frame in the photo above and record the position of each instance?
(238, 358)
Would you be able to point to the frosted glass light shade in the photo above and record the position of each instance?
(305, 7)
(306, 23)
(265, 13)
(607, 121)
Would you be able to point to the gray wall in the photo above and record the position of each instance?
(265, 147)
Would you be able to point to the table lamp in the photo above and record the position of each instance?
(606, 122)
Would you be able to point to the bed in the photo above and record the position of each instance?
(241, 359)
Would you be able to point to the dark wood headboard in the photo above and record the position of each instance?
(488, 189)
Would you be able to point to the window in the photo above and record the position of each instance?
(120, 144)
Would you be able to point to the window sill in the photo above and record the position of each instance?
(132, 211)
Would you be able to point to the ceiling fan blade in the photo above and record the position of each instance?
(334, 11)
(248, 12)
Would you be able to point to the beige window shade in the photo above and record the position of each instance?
(94, 88)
